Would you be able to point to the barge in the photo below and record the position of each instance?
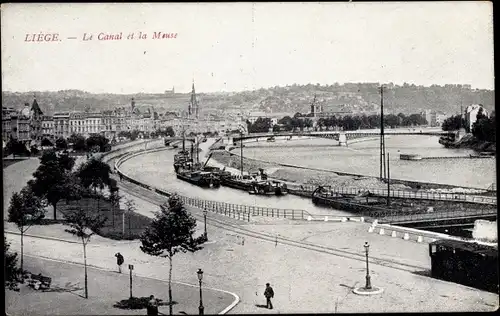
(254, 184)
(199, 177)
(363, 202)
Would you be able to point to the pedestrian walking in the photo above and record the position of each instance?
(269, 293)
(119, 261)
(152, 306)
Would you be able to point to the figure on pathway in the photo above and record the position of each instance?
(119, 261)
(269, 293)
(152, 306)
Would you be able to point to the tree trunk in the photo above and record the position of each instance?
(113, 213)
(54, 206)
(129, 228)
(22, 246)
(170, 286)
(85, 267)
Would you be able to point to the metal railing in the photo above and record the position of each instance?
(237, 211)
(396, 216)
(421, 195)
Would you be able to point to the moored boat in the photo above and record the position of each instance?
(199, 177)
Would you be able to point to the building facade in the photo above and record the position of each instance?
(48, 130)
(471, 114)
(431, 117)
(61, 124)
(36, 116)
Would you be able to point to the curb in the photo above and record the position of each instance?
(224, 311)
(418, 235)
(328, 218)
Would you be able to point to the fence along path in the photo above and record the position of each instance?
(421, 195)
(238, 211)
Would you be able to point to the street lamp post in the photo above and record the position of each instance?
(205, 216)
(368, 285)
(200, 277)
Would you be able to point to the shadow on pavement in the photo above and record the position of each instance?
(426, 273)
(261, 306)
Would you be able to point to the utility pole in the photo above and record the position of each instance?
(241, 152)
(197, 150)
(382, 138)
(388, 182)
(183, 138)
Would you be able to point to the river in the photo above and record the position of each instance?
(362, 157)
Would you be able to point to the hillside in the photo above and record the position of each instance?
(290, 99)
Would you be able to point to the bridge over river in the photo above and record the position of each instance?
(343, 135)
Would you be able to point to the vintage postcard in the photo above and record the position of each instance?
(249, 158)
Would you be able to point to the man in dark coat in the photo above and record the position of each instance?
(269, 293)
(152, 307)
(119, 261)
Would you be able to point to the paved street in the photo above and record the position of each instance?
(15, 178)
(106, 288)
(303, 280)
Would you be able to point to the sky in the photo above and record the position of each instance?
(245, 46)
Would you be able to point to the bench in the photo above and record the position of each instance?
(39, 281)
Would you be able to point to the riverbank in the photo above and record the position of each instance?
(470, 142)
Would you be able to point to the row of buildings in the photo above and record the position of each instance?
(29, 124)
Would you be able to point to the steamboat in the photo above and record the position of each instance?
(194, 173)
(256, 183)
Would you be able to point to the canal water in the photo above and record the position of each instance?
(157, 169)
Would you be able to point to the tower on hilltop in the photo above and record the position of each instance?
(132, 104)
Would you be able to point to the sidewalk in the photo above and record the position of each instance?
(106, 288)
(15, 178)
(304, 281)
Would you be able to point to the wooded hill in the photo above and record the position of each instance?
(355, 97)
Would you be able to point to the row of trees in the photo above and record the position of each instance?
(172, 230)
(347, 123)
(54, 180)
(484, 128)
(454, 123)
(134, 134)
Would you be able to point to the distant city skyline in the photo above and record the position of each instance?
(236, 47)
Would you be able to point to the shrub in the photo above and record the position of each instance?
(138, 303)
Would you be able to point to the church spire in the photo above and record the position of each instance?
(193, 104)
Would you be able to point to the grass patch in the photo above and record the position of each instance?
(135, 223)
(139, 303)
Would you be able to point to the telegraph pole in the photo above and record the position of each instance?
(388, 182)
(382, 138)
(241, 152)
